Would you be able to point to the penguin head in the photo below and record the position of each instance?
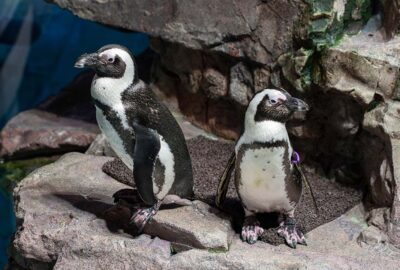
(275, 105)
(113, 61)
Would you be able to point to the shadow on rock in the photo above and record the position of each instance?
(116, 216)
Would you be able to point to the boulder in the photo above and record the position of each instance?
(382, 121)
(65, 122)
(362, 66)
(197, 225)
(36, 132)
(65, 207)
(254, 29)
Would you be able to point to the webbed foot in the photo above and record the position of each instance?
(251, 230)
(142, 216)
(292, 234)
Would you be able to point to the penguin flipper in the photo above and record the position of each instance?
(145, 152)
(304, 179)
(224, 181)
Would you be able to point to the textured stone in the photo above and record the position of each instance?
(68, 221)
(362, 66)
(383, 121)
(379, 217)
(62, 123)
(198, 225)
(255, 29)
(37, 132)
(100, 147)
(296, 68)
(214, 84)
(372, 236)
(241, 82)
(391, 17)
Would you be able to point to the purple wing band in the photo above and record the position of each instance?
(295, 158)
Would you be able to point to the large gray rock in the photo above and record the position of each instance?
(383, 122)
(198, 225)
(37, 132)
(362, 66)
(60, 205)
(254, 29)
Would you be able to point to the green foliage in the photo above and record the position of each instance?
(13, 171)
(326, 26)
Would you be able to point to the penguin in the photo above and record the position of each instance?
(141, 130)
(266, 178)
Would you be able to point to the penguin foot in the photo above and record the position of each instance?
(142, 216)
(292, 234)
(251, 230)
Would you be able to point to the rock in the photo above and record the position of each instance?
(65, 122)
(82, 214)
(382, 121)
(257, 30)
(376, 171)
(372, 236)
(214, 84)
(391, 17)
(394, 222)
(100, 147)
(362, 66)
(68, 221)
(37, 132)
(296, 68)
(198, 225)
(241, 81)
(379, 217)
(261, 78)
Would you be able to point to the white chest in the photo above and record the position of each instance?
(261, 180)
(113, 138)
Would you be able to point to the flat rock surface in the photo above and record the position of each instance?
(36, 132)
(186, 225)
(60, 203)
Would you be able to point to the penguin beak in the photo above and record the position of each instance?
(295, 104)
(87, 60)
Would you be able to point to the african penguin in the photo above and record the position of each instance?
(265, 178)
(141, 130)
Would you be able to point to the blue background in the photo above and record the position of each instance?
(39, 43)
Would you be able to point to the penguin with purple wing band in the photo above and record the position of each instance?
(266, 177)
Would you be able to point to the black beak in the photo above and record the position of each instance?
(87, 60)
(295, 104)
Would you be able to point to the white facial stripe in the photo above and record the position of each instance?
(262, 131)
(108, 90)
(275, 94)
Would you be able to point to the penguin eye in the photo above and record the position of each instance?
(273, 101)
(110, 60)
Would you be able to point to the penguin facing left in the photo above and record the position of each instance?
(142, 131)
(266, 179)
